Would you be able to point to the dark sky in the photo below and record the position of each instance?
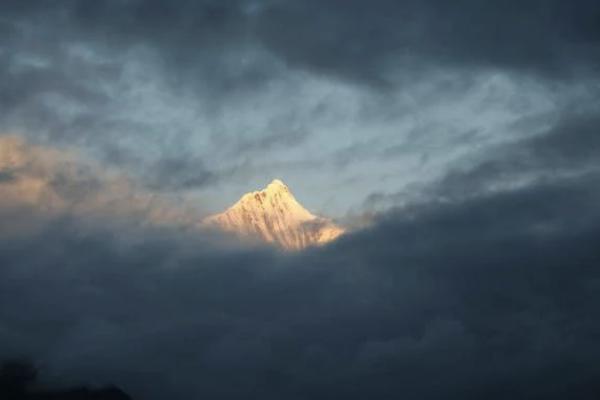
(466, 133)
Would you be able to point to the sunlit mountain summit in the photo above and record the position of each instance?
(275, 216)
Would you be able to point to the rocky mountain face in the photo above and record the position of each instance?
(275, 216)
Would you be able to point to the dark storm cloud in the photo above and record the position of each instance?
(57, 60)
(191, 37)
(573, 142)
(40, 78)
(364, 41)
(494, 297)
(353, 39)
(570, 146)
(61, 65)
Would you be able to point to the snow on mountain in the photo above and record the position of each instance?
(275, 216)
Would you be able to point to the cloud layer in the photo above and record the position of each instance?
(467, 134)
(212, 97)
(489, 295)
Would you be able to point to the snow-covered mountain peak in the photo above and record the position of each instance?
(277, 185)
(274, 215)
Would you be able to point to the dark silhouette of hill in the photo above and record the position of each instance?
(18, 381)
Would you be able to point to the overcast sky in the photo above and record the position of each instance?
(341, 101)
(467, 132)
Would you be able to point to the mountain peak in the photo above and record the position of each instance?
(274, 215)
(276, 186)
(277, 183)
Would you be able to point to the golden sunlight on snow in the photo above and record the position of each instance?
(275, 216)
